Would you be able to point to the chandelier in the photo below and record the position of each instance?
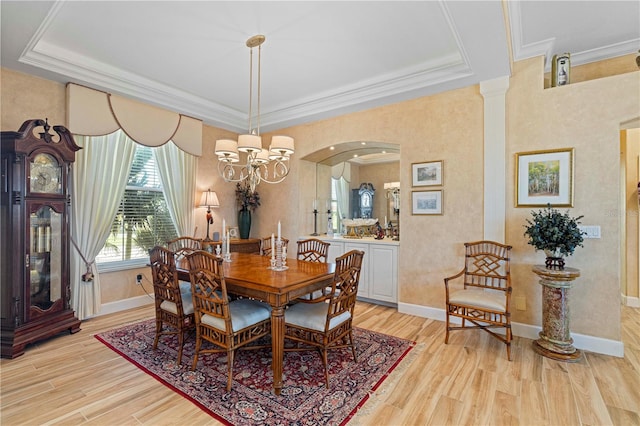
(260, 165)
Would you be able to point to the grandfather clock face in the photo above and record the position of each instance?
(45, 174)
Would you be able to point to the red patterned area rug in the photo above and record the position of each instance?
(304, 399)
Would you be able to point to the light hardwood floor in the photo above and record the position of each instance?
(75, 379)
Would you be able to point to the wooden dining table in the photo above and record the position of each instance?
(248, 275)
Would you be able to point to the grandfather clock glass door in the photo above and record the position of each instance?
(45, 258)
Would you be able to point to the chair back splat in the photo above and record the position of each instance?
(265, 245)
(183, 246)
(227, 325)
(313, 250)
(325, 322)
(484, 298)
(173, 303)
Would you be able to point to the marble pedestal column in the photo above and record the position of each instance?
(555, 340)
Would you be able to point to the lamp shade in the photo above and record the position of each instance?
(249, 143)
(209, 199)
(282, 145)
(226, 147)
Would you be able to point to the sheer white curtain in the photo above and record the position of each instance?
(342, 197)
(178, 175)
(99, 180)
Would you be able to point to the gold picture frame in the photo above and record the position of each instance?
(545, 177)
(426, 202)
(428, 173)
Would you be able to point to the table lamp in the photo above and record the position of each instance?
(209, 199)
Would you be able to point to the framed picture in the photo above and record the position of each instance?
(426, 202)
(544, 177)
(561, 70)
(427, 174)
(233, 232)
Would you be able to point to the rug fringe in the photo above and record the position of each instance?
(377, 396)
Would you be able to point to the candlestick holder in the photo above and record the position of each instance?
(279, 263)
(315, 223)
(329, 224)
(225, 249)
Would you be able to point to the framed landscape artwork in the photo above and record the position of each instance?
(426, 202)
(427, 174)
(544, 177)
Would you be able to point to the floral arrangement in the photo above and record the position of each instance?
(247, 199)
(554, 232)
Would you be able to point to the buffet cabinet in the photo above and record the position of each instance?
(379, 274)
(34, 262)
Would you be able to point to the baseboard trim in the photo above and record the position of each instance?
(124, 304)
(580, 341)
(632, 302)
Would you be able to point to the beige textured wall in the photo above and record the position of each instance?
(587, 117)
(630, 146)
(449, 127)
(24, 97)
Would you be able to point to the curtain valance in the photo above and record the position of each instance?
(94, 113)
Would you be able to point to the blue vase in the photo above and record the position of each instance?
(244, 223)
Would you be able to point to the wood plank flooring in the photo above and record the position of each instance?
(75, 379)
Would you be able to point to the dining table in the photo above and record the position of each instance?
(250, 275)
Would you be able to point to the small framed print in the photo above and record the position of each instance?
(427, 174)
(544, 177)
(560, 70)
(233, 232)
(426, 202)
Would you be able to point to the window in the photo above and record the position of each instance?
(142, 221)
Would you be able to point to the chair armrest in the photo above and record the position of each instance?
(446, 280)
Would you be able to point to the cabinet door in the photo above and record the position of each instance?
(383, 280)
(363, 286)
(335, 249)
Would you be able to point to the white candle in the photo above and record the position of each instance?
(228, 239)
(273, 246)
(385, 222)
(315, 204)
(279, 228)
(224, 232)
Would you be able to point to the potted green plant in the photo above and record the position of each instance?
(556, 233)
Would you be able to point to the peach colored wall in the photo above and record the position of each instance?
(587, 117)
(23, 97)
(447, 126)
(631, 150)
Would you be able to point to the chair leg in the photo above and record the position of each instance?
(196, 351)
(509, 336)
(446, 335)
(158, 331)
(229, 369)
(180, 345)
(323, 353)
(353, 346)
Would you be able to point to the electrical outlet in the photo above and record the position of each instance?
(139, 279)
(521, 303)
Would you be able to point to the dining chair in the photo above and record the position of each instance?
(182, 246)
(313, 250)
(484, 296)
(325, 322)
(173, 303)
(227, 325)
(265, 245)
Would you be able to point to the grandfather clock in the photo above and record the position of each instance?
(34, 262)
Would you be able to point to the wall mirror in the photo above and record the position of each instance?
(340, 172)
